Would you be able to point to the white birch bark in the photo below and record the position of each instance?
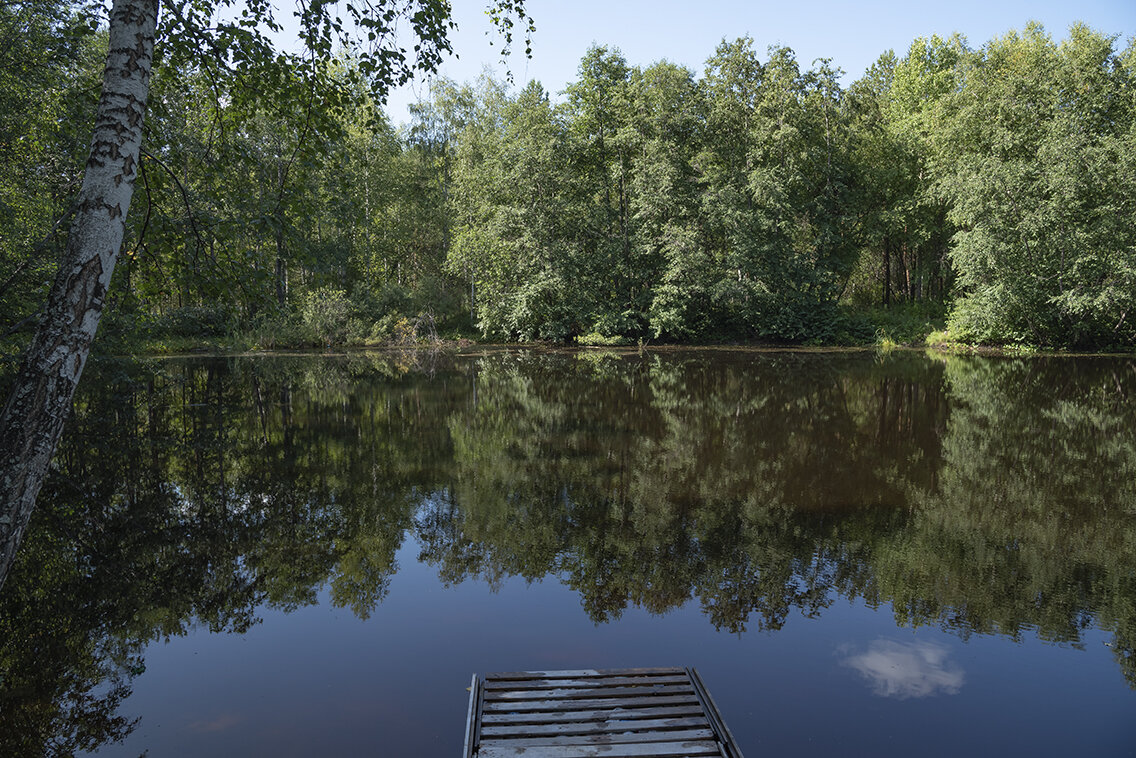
(33, 417)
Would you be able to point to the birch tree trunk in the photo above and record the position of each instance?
(33, 417)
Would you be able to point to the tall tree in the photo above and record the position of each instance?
(1039, 148)
(904, 230)
(665, 281)
(599, 230)
(775, 192)
(32, 419)
(46, 62)
(917, 222)
(509, 199)
(881, 178)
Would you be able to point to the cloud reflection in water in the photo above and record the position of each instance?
(906, 669)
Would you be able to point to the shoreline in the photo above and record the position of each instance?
(467, 347)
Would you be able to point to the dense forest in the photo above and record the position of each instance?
(989, 190)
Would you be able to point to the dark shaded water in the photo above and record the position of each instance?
(862, 555)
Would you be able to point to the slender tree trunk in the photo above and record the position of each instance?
(472, 297)
(624, 209)
(887, 271)
(905, 257)
(445, 202)
(281, 270)
(281, 248)
(33, 417)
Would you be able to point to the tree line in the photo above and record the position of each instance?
(759, 199)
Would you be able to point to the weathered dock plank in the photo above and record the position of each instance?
(579, 673)
(572, 705)
(574, 694)
(552, 717)
(597, 726)
(659, 750)
(635, 713)
(619, 738)
(585, 682)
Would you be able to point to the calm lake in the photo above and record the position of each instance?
(862, 554)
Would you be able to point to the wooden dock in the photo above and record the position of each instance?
(612, 712)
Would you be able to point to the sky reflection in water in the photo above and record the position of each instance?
(907, 669)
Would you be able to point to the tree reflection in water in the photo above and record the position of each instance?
(974, 494)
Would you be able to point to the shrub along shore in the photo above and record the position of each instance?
(915, 326)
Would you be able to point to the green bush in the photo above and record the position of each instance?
(904, 323)
(193, 321)
(326, 313)
(371, 305)
(598, 340)
(272, 332)
(983, 318)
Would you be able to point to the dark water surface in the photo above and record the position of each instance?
(862, 554)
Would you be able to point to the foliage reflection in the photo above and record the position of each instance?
(977, 495)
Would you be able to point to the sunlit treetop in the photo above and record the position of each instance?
(389, 41)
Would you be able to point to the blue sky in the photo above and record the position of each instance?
(853, 35)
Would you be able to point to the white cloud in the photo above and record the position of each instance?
(907, 669)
